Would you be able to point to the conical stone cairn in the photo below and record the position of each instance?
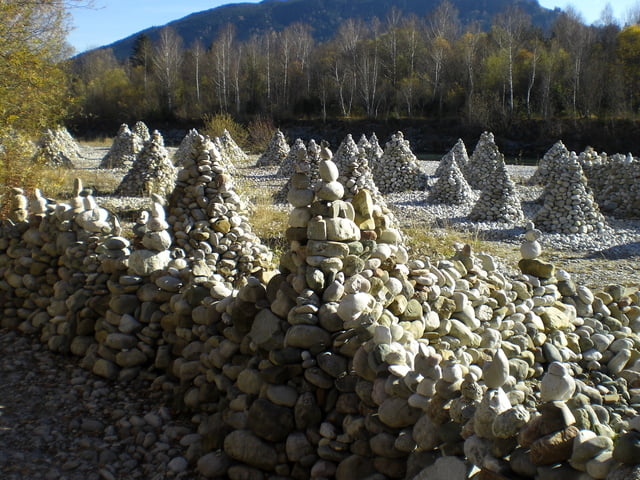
(57, 148)
(548, 164)
(276, 151)
(345, 154)
(185, 147)
(313, 155)
(451, 188)
(296, 153)
(230, 149)
(152, 172)
(375, 151)
(299, 164)
(142, 131)
(208, 216)
(458, 153)
(398, 170)
(499, 200)
(125, 148)
(479, 170)
(569, 206)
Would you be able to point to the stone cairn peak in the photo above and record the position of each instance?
(550, 160)
(569, 206)
(230, 149)
(57, 148)
(185, 147)
(208, 218)
(276, 151)
(296, 153)
(346, 153)
(152, 172)
(313, 154)
(398, 170)
(451, 188)
(297, 162)
(142, 131)
(499, 201)
(459, 154)
(615, 182)
(479, 170)
(125, 148)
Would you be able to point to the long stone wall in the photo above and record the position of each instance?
(352, 359)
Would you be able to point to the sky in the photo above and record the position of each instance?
(111, 20)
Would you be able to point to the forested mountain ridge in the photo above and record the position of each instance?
(324, 16)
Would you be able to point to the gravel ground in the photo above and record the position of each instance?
(60, 422)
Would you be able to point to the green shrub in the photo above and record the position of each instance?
(215, 125)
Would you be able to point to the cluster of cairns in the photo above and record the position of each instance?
(126, 146)
(57, 148)
(152, 171)
(351, 359)
(568, 202)
(615, 181)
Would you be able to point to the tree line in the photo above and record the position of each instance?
(400, 66)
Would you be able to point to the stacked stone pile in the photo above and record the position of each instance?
(375, 151)
(569, 206)
(479, 169)
(296, 162)
(276, 151)
(313, 154)
(206, 214)
(398, 170)
(152, 172)
(499, 201)
(141, 130)
(125, 148)
(451, 188)
(57, 148)
(548, 164)
(458, 153)
(230, 150)
(615, 182)
(186, 144)
(346, 154)
(297, 153)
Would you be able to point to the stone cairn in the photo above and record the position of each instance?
(614, 180)
(57, 148)
(313, 154)
(152, 172)
(451, 188)
(185, 147)
(354, 361)
(498, 201)
(375, 151)
(297, 151)
(142, 131)
(345, 154)
(398, 170)
(230, 150)
(459, 154)
(479, 170)
(549, 161)
(207, 215)
(125, 148)
(276, 151)
(569, 206)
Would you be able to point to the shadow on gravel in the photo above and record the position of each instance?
(618, 252)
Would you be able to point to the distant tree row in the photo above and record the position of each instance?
(400, 66)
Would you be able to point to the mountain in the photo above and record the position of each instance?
(323, 15)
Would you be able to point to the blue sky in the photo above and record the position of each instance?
(112, 20)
